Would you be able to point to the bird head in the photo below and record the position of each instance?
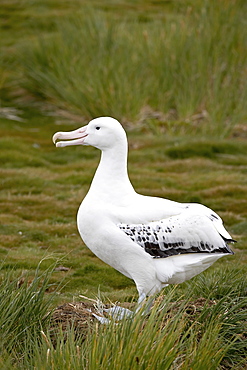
(102, 133)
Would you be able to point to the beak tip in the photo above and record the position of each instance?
(55, 137)
(72, 137)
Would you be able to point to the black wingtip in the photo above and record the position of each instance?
(228, 240)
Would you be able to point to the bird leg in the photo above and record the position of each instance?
(144, 304)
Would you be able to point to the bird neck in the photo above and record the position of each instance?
(111, 181)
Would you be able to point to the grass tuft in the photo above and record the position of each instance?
(24, 310)
(189, 67)
(180, 331)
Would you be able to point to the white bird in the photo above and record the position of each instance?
(153, 241)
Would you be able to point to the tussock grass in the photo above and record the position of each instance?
(179, 332)
(189, 67)
(23, 309)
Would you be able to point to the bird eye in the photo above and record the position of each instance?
(97, 128)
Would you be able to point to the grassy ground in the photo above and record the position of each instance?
(173, 73)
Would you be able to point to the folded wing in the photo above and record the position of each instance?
(182, 234)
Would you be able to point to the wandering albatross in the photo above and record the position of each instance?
(154, 241)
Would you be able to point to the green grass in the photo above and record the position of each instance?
(182, 62)
(174, 74)
(23, 310)
(180, 332)
(191, 65)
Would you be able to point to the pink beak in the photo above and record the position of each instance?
(75, 137)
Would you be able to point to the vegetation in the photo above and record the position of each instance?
(180, 332)
(96, 65)
(174, 74)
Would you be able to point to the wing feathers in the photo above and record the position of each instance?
(178, 235)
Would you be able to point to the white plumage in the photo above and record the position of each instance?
(153, 241)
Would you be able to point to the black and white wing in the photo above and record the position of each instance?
(182, 234)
